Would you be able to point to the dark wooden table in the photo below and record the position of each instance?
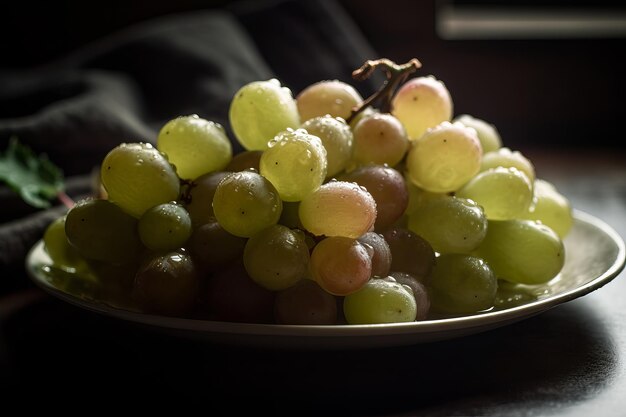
(568, 361)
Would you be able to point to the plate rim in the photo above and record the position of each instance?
(434, 326)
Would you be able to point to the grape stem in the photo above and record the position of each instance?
(396, 74)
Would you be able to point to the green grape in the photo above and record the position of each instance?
(245, 160)
(200, 204)
(59, 249)
(340, 265)
(379, 139)
(246, 203)
(305, 303)
(276, 257)
(337, 139)
(137, 176)
(195, 146)
(380, 301)
(420, 104)
(116, 282)
(450, 224)
(419, 291)
(504, 193)
(338, 208)
(418, 196)
(444, 158)
(462, 284)
(487, 133)
(381, 253)
(259, 111)
(331, 97)
(522, 251)
(550, 208)
(512, 295)
(212, 247)
(165, 227)
(167, 284)
(99, 230)
(295, 163)
(388, 188)
(410, 253)
(503, 157)
(233, 296)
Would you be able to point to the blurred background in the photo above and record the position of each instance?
(546, 72)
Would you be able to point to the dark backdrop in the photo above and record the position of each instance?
(548, 92)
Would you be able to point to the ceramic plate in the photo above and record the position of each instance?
(594, 256)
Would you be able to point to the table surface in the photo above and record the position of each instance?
(568, 361)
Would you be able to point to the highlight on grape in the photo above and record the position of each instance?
(341, 210)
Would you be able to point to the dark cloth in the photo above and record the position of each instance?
(124, 87)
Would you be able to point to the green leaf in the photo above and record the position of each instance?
(34, 178)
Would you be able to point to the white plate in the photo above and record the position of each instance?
(594, 256)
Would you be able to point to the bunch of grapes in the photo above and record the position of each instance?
(338, 210)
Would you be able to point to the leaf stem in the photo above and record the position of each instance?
(65, 199)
